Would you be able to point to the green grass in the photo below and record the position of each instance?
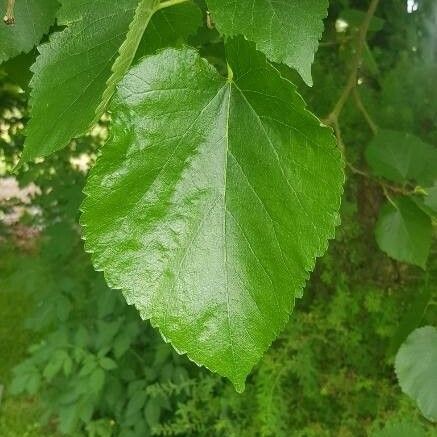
(18, 415)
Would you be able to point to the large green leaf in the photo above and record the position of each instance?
(416, 369)
(32, 20)
(400, 156)
(404, 231)
(205, 207)
(286, 31)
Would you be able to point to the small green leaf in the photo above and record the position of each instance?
(400, 156)
(96, 380)
(54, 366)
(404, 232)
(107, 363)
(152, 412)
(68, 365)
(32, 20)
(89, 366)
(205, 207)
(416, 369)
(68, 418)
(286, 31)
(136, 402)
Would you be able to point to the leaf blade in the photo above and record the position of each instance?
(220, 282)
(404, 232)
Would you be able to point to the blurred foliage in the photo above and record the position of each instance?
(94, 368)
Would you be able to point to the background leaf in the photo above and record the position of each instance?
(287, 32)
(416, 369)
(404, 232)
(401, 156)
(204, 208)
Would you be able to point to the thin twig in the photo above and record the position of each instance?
(384, 185)
(388, 197)
(353, 76)
(351, 88)
(337, 130)
(357, 171)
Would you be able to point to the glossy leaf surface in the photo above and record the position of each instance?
(416, 369)
(32, 20)
(205, 207)
(286, 31)
(404, 232)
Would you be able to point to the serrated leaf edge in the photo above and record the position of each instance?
(239, 385)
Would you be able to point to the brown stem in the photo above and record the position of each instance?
(384, 185)
(351, 87)
(353, 76)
